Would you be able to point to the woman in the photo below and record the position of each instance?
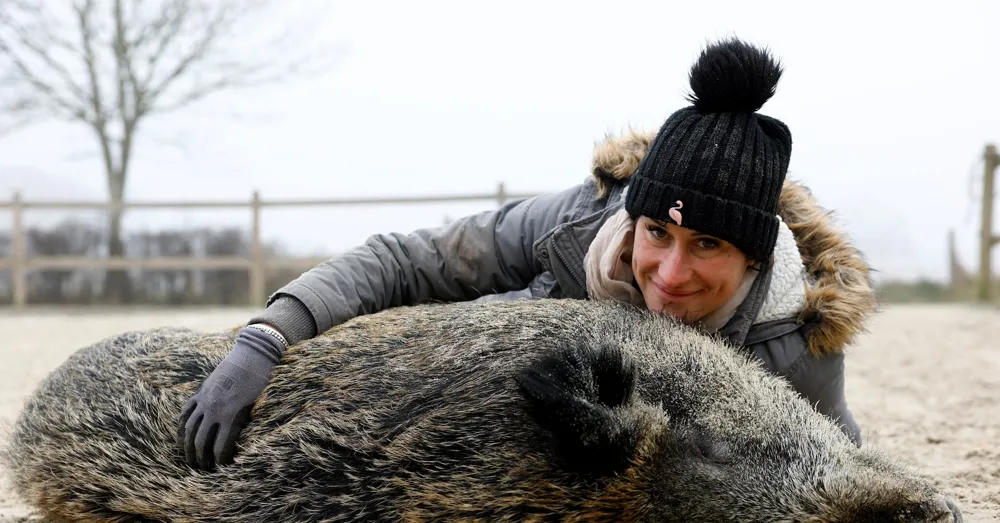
(696, 221)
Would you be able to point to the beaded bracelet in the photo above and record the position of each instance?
(270, 331)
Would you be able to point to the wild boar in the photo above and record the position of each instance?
(531, 410)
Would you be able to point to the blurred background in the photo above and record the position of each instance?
(171, 104)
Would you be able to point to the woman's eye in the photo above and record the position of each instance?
(656, 232)
(708, 243)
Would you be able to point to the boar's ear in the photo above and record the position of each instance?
(581, 395)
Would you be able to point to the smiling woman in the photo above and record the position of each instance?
(684, 273)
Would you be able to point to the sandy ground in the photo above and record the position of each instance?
(925, 383)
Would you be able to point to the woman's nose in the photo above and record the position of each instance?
(674, 269)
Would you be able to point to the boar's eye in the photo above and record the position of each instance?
(714, 451)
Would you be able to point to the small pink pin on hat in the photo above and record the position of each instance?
(675, 213)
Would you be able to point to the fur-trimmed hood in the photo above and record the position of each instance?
(840, 296)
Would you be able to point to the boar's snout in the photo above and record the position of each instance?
(911, 502)
(956, 514)
(940, 509)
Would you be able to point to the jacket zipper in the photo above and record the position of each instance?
(569, 268)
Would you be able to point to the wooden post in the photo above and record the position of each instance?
(952, 273)
(501, 194)
(958, 280)
(986, 239)
(257, 270)
(19, 255)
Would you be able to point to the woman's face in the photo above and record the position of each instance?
(682, 272)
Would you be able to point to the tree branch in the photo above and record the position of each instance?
(212, 29)
(94, 99)
(131, 106)
(208, 68)
(48, 87)
(110, 63)
(29, 76)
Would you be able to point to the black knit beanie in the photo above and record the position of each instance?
(718, 162)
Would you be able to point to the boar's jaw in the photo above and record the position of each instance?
(937, 509)
(873, 487)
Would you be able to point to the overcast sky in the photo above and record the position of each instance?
(889, 104)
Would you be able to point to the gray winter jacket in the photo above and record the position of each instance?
(535, 248)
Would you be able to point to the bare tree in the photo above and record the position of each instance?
(111, 64)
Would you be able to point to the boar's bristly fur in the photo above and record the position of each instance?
(534, 410)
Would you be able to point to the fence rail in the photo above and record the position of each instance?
(257, 263)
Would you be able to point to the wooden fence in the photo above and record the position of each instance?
(256, 262)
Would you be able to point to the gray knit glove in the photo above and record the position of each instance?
(213, 418)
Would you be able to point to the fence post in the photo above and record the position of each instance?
(257, 269)
(986, 238)
(501, 194)
(19, 255)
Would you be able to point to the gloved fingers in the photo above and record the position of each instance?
(186, 411)
(204, 441)
(191, 431)
(225, 442)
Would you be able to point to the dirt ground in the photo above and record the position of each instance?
(925, 383)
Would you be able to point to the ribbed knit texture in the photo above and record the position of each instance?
(726, 168)
(290, 317)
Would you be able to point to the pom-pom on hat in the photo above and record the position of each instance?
(718, 166)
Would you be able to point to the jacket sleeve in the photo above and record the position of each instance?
(819, 379)
(484, 253)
